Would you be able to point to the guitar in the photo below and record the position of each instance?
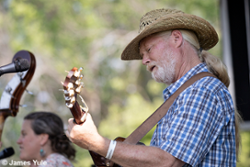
(9, 103)
(72, 86)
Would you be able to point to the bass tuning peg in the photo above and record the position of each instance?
(20, 74)
(23, 105)
(8, 90)
(29, 92)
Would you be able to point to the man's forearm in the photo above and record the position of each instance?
(128, 155)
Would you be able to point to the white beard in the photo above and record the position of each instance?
(165, 70)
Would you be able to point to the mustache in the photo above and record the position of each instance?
(150, 65)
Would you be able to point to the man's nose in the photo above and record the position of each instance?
(145, 59)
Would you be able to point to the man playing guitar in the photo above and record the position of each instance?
(199, 127)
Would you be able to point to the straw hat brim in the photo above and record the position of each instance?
(205, 32)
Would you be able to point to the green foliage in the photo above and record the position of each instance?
(134, 113)
(244, 155)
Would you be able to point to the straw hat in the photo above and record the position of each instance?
(170, 19)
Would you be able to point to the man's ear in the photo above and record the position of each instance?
(43, 138)
(177, 37)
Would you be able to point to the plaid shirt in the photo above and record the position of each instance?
(199, 127)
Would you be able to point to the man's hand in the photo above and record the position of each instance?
(84, 135)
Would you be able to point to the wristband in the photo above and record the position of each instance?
(111, 149)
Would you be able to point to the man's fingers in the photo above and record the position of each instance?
(70, 120)
(67, 134)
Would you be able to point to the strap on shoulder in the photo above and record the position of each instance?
(152, 120)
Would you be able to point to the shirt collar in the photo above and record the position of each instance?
(173, 87)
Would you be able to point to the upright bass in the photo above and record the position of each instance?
(9, 103)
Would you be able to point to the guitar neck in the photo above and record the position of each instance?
(77, 113)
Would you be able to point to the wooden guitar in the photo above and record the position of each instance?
(72, 86)
(9, 103)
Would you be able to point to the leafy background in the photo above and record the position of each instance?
(90, 34)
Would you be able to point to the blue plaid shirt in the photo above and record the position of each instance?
(199, 128)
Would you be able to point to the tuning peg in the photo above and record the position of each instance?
(78, 89)
(82, 84)
(70, 99)
(8, 90)
(67, 98)
(29, 92)
(71, 92)
(78, 82)
(70, 85)
(78, 73)
(69, 105)
(24, 105)
(64, 91)
(73, 99)
(23, 82)
(20, 74)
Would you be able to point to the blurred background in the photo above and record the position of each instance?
(90, 34)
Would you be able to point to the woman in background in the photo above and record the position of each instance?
(43, 142)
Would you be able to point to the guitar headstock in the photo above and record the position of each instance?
(72, 86)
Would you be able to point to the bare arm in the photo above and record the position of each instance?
(87, 137)
(143, 156)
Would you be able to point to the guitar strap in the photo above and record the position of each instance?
(149, 123)
(152, 120)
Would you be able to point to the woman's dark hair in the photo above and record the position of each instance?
(51, 124)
